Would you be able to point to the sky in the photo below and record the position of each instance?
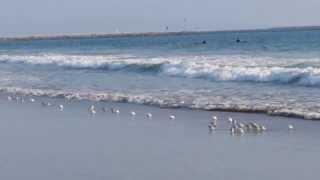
(52, 17)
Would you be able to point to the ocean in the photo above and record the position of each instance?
(270, 71)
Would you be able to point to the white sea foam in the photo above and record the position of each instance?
(305, 72)
(168, 101)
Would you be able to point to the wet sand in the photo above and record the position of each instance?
(45, 143)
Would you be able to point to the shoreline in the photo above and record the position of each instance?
(42, 142)
(121, 99)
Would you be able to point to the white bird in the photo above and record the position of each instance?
(236, 130)
(115, 111)
(149, 115)
(263, 128)
(133, 113)
(214, 118)
(232, 130)
(45, 104)
(214, 121)
(32, 100)
(60, 107)
(230, 120)
(290, 127)
(9, 98)
(241, 125)
(240, 130)
(211, 128)
(92, 110)
(172, 117)
(92, 107)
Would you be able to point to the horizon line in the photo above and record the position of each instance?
(155, 33)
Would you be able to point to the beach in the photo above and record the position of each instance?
(43, 142)
(140, 107)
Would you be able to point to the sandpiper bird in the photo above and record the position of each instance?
(290, 127)
(60, 107)
(248, 126)
(9, 98)
(263, 128)
(149, 115)
(241, 125)
(211, 127)
(92, 110)
(117, 111)
(45, 104)
(172, 117)
(256, 127)
(233, 128)
(230, 120)
(32, 100)
(133, 113)
(239, 130)
(214, 121)
(112, 110)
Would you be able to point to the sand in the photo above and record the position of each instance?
(45, 143)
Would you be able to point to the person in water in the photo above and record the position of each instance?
(204, 42)
(238, 40)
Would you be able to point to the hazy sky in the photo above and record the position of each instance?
(32, 17)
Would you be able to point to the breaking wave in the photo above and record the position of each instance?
(172, 102)
(302, 72)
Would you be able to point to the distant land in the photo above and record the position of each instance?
(102, 35)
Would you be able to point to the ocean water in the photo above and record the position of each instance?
(275, 72)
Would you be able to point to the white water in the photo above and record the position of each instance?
(303, 72)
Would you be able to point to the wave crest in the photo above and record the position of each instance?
(304, 72)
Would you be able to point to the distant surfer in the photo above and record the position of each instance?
(240, 41)
(204, 42)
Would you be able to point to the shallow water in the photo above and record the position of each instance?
(276, 72)
(43, 143)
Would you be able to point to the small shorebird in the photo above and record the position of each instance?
(133, 113)
(248, 126)
(256, 127)
(92, 110)
(240, 130)
(61, 107)
(112, 110)
(9, 98)
(45, 104)
(214, 120)
(230, 120)
(32, 100)
(211, 127)
(290, 127)
(117, 111)
(149, 115)
(237, 130)
(172, 117)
